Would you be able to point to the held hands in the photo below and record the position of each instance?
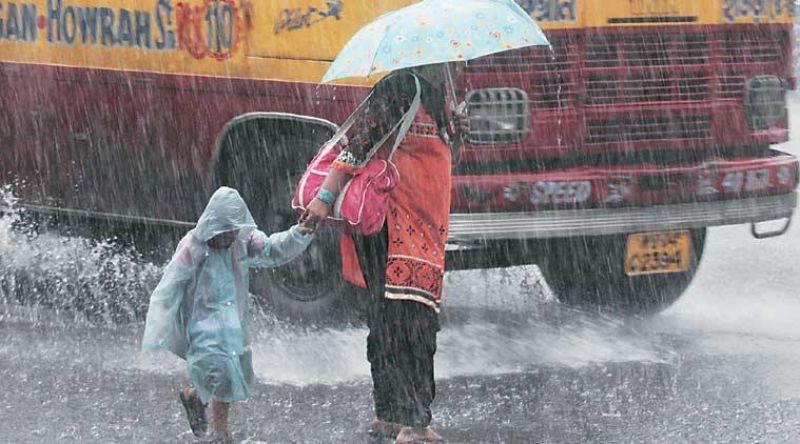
(316, 213)
(304, 230)
(320, 208)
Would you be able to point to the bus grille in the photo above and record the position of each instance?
(646, 50)
(644, 128)
(738, 48)
(647, 87)
(641, 68)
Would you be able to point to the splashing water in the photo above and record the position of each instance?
(495, 321)
(99, 281)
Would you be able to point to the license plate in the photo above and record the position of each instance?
(658, 253)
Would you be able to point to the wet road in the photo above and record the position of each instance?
(721, 366)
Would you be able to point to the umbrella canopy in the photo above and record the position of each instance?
(435, 31)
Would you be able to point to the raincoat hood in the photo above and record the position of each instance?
(226, 211)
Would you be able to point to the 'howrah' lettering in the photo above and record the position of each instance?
(93, 25)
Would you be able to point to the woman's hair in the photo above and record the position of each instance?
(401, 83)
(433, 99)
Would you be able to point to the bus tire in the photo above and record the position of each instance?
(588, 273)
(264, 159)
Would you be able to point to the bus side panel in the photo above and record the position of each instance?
(135, 144)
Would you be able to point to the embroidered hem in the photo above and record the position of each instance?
(403, 294)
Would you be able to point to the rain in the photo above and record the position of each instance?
(621, 260)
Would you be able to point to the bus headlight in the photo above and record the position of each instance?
(765, 102)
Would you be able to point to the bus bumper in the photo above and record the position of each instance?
(478, 227)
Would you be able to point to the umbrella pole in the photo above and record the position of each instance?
(451, 86)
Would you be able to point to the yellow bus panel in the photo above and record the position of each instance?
(288, 40)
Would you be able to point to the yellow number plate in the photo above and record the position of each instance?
(658, 253)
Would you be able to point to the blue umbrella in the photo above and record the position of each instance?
(435, 31)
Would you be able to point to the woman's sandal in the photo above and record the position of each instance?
(195, 413)
(412, 435)
(384, 429)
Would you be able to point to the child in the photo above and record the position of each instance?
(199, 311)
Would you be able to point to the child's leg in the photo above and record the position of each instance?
(219, 413)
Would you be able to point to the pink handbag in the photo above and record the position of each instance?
(364, 201)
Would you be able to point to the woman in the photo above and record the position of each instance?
(403, 266)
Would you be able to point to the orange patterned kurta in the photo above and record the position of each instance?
(418, 217)
(417, 222)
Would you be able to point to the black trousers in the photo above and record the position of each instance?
(400, 345)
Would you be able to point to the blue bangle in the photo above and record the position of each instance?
(326, 196)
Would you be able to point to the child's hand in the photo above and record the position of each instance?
(304, 230)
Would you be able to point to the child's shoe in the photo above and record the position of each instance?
(195, 413)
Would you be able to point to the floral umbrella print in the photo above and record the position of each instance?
(435, 31)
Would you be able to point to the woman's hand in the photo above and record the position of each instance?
(316, 213)
(461, 119)
(460, 126)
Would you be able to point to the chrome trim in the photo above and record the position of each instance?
(465, 228)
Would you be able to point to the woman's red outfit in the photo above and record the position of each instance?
(403, 267)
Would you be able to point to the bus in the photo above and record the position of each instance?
(603, 159)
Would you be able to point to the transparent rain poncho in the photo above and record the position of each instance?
(199, 310)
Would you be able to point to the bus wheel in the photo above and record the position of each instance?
(589, 273)
(264, 160)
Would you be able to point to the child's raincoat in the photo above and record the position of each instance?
(199, 310)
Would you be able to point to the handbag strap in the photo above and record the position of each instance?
(404, 124)
(406, 121)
